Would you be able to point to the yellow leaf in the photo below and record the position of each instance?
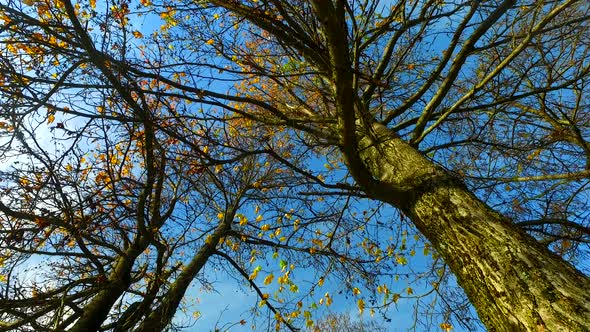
(50, 118)
(401, 260)
(284, 278)
(259, 218)
(269, 279)
(93, 4)
(265, 227)
(356, 291)
(220, 215)
(253, 275)
(361, 305)
(243, 220)
(137, 34)
(210, 42)
(296, 224)
(446, 326)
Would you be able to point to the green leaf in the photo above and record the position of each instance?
(283, 264)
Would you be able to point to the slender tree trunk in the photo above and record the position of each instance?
(96, 312)
(515, 283)
(161, 316)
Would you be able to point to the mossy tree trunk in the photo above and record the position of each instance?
(514, 282)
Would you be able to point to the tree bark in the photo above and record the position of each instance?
(514, 282)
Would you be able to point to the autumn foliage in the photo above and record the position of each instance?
(309, 150)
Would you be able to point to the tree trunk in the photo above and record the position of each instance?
(101, 304)
(515, 283)
(161, 316)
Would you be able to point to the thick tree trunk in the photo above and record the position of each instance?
(515, 283)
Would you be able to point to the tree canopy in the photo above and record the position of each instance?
(313, 151)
